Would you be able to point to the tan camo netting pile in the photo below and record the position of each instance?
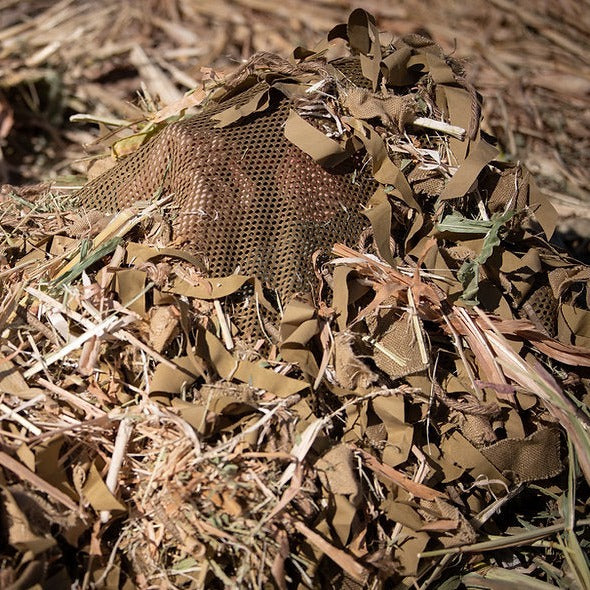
(314, 336)
(256, 192)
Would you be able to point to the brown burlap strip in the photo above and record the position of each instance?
(527, 459)
(397, 351)
(393, 111)
(562, 278)
(462, 533)
(425, 181)
(509, 191)
(477, 429)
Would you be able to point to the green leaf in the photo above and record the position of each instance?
(468, 274)
(497, 578)
(455, 223)
(106, 248)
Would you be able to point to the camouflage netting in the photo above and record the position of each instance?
(247, 199)
(284, 161)
(217, 403)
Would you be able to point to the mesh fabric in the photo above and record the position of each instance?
(247, 199)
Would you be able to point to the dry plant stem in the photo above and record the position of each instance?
(85, 426)
(261, 321)
(461, 352)
(223, 325)
(413, 487)
(12, 436)
(99, 583)
(88, 324)
(26, 474)
(423, 469)
(110, 324)
(125, 335)
(72, 399)
(154, 470)
(417, 328)
(265, 455)
(15, 415)
(328, 350)
(286, 498)
(123, 435)
(190, 99)
(301, 449)
(497, 376)
(436, 572)
(343, 559)
(83, 118)
(187, 429)
(492, 544)
(120, 225)
(36, 354)
(478, 521)
(441, 126)
(488, 368)
(398, 360)
(105, 275)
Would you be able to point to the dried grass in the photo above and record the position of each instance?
(227, 484)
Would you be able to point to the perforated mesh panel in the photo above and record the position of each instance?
(247, 198)
(544, 306)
